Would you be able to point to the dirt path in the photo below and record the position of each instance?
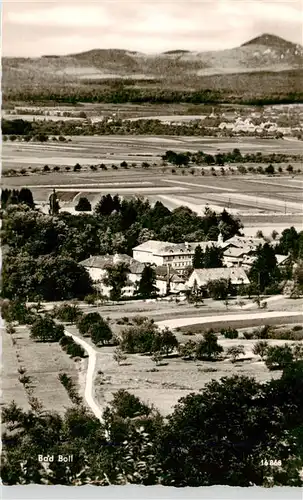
(90, 375)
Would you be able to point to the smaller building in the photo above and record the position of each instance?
(169, 281)
(96, 266)
(202, 277)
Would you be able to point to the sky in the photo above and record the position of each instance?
(32, 29)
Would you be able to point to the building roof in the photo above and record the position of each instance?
(237, 275)
(166, 248)
(236, 251)
(242, 241)
(161, 274)
(102, 261)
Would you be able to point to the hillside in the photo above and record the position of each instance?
(173, 69)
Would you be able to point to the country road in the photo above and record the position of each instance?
(90, 375)
(170, 323)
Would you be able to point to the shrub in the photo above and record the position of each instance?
(83, 205)
(69, 385)
(100, 332)
(230, 333)
(44, 329)
(119, 356)
(248, 335)
(208, 348)
(279, 357)
(71, 347)
(68, 313)
(235, 351)
(260, 349)
(87, 321)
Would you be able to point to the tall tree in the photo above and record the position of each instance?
(213, 257)
(264, 270)
(116, 279)
(147, 285)
(198, 259)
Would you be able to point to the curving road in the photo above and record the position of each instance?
(90, 375)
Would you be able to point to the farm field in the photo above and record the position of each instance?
(108, 149)
(173, 378)
(262, 203)
(43, 362)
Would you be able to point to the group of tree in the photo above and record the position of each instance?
(220, 159)
(278, 357)
(146, 337)
(207, 349)
(16, 196)
(40, 246)
(94, 326)
(45, 329)
(225, 434)
(211, 257)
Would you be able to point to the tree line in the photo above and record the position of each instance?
(193, 446)
(44, 251)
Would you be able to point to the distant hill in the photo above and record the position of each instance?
(175, 68)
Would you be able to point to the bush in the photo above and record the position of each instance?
(45, 329)
(69, 385)
(100, 332)
(83, 205)
(208, 348)
(71, 347)
(87, 321)
(68, 313)
(279, 357)
(229, 333)
(260, 349)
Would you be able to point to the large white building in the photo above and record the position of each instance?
(178, 256)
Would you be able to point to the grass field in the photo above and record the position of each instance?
(43, 362)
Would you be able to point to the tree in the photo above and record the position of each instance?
(264, 270)
(260, 348)
(85, 322)
(77, 167)
(208, 348)
(278, 357)
(126, 405)
(116, 279)
(218, 289)
(199, 448)
(270, 170)
(69, 313)
(119, 356)
(147, 285)
(83, 205)
(165, 342)
(235, 351)
(100, 332)
(290, 169)
(198, 259)
(187, 350)
(157, 357)
(213, 257)
(44, 329)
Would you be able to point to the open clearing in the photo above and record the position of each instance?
(43, 362)
(164, 385)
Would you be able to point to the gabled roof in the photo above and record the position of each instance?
(237, 275)
(102, 261)
(243, 241)
(236, 251)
